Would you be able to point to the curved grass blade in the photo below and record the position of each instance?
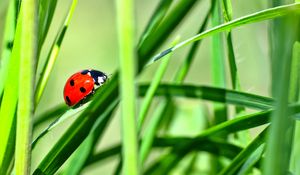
(213, 94)
(156, 19)
(69, 113)
(8, 40)
(49, 114)
(52, 55)
(165, 142)
(238, 161)
(28, 41)
(267, 14)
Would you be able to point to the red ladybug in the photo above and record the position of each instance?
(82, 84)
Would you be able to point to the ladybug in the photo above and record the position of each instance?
(82, 84)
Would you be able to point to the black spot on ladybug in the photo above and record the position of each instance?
(82, 89)
(84, 72)
(72, 82)
(68, 99)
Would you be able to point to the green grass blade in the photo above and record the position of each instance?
(238, 161)
(7, 44)
(152, 88)
(267, 14)
(65, 116)
(28, 41)
(150, 131)
(80, 129)
(9, 101)
(125, 30)
(46, 12)
(49, 114)
(52, 55)
(282, 126)
(295, 72)
(217, 63)
(164, 30)
(212, 94)
(253, 160)
(156, 19)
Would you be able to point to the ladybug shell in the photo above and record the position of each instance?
(77, 87)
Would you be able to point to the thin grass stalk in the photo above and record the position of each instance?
(295, 72)
(28, 40)
(267, 14)
(125, 30)
(52, 55)
(8, 40)
(282, 126)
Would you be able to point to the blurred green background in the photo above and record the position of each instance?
(91, 42)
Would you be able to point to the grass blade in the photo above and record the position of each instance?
(65, 116)
(157, 37)
(52, 55)
(9, 103)
(152, 88)
(217, 62)
(49, 114)
(9, 33)
(238, 161)
(127, 89)
(282, 126)
(213, 94)
(156, 19)
(294, 92)
(267, 14)
(46, 11)
(28, 41)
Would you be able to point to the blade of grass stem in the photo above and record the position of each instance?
(9, 100)
(267, 14)
(8, 40)
(52, 55)
(152, 88)
(169, 23)
(28, 41)
(238, 161)
(46, 11)
(213, 94)
(294, 92)
(49, 114)
(156, 18)
(69, 113)
(217, 62)
(282, 126)
(125, 28)
(253, 160)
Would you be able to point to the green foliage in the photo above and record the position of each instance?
(155, 116)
